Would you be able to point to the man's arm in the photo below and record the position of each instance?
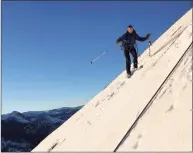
(137, 37)
(120, 39)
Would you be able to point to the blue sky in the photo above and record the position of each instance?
(47, 48)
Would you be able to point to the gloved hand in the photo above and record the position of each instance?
(148, 35)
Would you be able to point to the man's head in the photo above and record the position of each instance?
(130, 29)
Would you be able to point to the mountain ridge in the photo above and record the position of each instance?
(31, 127)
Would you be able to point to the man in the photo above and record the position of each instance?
(128, 41)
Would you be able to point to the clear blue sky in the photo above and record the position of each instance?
(47, 48)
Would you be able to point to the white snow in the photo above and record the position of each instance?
(102, 123)
(168, 122)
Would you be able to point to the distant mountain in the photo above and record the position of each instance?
(21, 132)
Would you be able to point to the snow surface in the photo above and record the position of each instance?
(166, 125)
(169, 119)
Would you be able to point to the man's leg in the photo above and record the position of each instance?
(135, 57)
(128, 61)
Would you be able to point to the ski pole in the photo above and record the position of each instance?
(98, 57)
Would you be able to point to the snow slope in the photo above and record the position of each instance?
(169, 119)
(102, 124)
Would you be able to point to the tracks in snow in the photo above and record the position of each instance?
(151, 101)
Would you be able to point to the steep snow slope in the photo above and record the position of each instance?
(103, 122)
(169, 119)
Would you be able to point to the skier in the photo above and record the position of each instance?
(128, 41)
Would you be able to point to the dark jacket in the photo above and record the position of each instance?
(129, 39)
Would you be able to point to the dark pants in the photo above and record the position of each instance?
(133, 52)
